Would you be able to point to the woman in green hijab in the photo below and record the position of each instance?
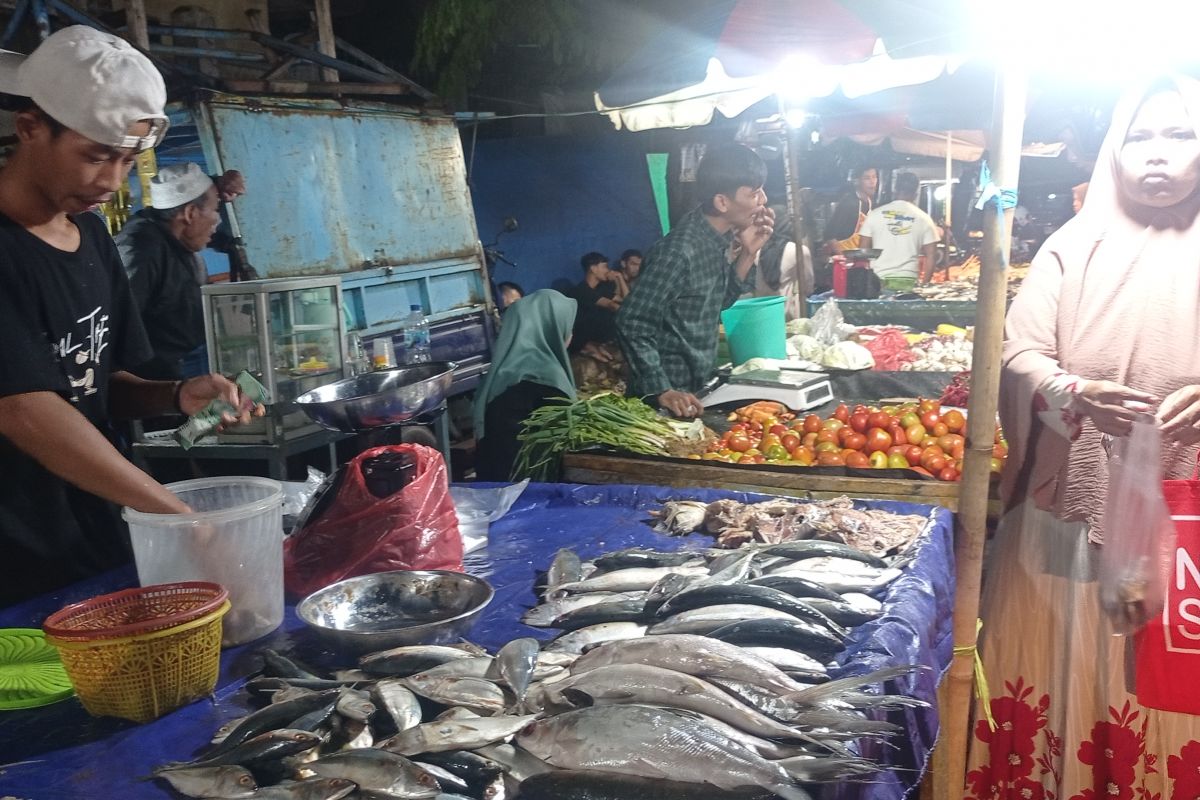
(530, 366)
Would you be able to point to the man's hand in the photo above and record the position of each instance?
(755, 235)
(684, 405)
(196, 393)
(596, 351)
(231, 185)
(1113, 407)
(1179, 416)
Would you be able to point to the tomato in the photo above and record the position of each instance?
(890, 410)
(897, 434)
(859, 421)
(855, 441)
(844, 432)
(861, 409)
(909, 419)
(913, 454)
(1000, 451)
(897, 448)
(832, 424)
(790, 441)
(940, 429)
(812, 423)
(879, 419)
(809, 439)
(712, 457)
(804, 455)
(879, 460)
(775, 452)
(858, 460)
(959, 450)
(878, 439)
(796, 425)
(827, 435)
(831, 460)
(739, 443)
(930, 405)
(948, 474)
(738, 427)
(694, 457)
(930, 418)
(955, 420)
(915, 433)
(778, 430)
(897, 461)
(935, 464)
(842, 413)
(753, 451)
(767, 441)
(997, 465)
(948, 441)
(922, 471)
(827, 447)
(745, 459)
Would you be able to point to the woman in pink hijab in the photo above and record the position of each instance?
(1106, 326)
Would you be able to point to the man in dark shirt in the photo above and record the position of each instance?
(595, 323)
(89, 102)
(841, 232)
(160, 248)
(667, 326)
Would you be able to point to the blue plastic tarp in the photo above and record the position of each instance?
(60, 752)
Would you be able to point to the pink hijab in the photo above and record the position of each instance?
(1113, 295)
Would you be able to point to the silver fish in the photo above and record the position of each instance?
(693, 655)
(680, 517)
(863, 602)
(411, 659)
(264, 747)
(517, 762)
(447, 781)
(565, 568)
(272, 717)
(456, 713)
(827, 723)
(707, 619)
(353, 676)
(787, 660)
(229, 781)
(355, 704)
(473, 667)
(652, 743)
(380, 770)
(477, 694)
(823, 769)
(735, 572)
(629, 580)
(313, 789)
(576, 641)
(399, 702)
(540, 616)
(639, 684)
(456, 734)
(858, 582)
(515, 665)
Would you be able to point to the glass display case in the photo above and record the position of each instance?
(287, 332)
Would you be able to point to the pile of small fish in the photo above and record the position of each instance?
(774, 521)
(674, 672)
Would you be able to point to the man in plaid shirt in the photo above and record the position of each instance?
(667, 326)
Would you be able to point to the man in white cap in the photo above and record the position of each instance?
(89, 102)
(160, 248)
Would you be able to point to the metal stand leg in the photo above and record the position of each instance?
(441, 429)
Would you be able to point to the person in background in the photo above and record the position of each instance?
(907, 236)
(1103, 329)
(841, 232)
(668, 325)
(780, 273)
(595, 323)
(88, 103)
(508, 293)
(160, 248)
(628, 268)
(530, 366)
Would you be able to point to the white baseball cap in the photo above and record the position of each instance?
(178, 184)
(96, 84)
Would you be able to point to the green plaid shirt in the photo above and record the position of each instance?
(667, 326)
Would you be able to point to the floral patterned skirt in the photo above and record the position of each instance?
(1067, 725)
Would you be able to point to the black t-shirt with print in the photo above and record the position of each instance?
(66, 324)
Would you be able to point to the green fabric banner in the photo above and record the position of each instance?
(657, 164)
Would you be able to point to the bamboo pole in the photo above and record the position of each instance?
(1008, 120)
(326, 41)
(135, 18)
(791, 167)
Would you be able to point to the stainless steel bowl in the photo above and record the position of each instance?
(389, 609)
(379, 399)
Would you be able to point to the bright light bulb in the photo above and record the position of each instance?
(796, 117)
(941, 192)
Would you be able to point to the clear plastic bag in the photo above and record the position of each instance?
(827, 324)
(1139, 535)
(479, 508)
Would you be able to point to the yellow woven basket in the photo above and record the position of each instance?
(142, 676)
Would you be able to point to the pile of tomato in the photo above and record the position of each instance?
(919, 437)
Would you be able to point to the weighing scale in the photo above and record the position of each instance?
(797, 389)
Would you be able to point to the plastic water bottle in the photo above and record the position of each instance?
(416, 337)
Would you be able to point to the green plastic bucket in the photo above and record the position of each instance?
(756, 328)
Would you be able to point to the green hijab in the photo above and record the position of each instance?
(532, 346)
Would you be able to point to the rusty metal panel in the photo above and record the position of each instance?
(338, 188)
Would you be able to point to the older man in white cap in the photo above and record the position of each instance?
(88, 103)
(160, 248)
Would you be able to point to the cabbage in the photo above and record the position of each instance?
(806, 347)
(798, 327)
(848, 355)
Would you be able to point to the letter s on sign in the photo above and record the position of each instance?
(1189, 610)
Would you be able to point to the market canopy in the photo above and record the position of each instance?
(735, 53)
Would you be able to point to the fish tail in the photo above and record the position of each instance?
(820, 770)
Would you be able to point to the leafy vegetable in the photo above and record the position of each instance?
(622, 423)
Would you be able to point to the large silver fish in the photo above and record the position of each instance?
(229, 781)
(312, 789)
(707, 619)
(399, 702)
(476, 694)
(652, 743)
(376, 769)
(680, 517)
(630, 580)
(400, 662)
(515, 665)
(565, 568)
(542, 615)
(576, 641)
(456, 734)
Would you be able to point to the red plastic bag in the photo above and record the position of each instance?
(1168, 648)
(414, 528)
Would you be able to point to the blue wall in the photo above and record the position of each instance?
(571, 195)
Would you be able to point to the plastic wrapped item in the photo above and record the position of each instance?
(296, 494)
(1139, 536)
(357, 533)
(806, 347)
(848, 355)
(827, 324)
(477, 509)
(206, 420)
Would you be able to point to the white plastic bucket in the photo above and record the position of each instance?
(234, 538)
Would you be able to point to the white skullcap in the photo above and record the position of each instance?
(178, 184)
